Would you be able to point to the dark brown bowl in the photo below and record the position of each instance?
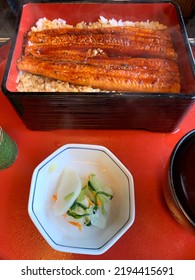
(124, 110)
(180, 193)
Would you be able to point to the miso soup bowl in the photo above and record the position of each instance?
(180, 190)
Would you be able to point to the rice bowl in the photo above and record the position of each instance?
(46, 110)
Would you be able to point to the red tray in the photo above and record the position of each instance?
(155, 233)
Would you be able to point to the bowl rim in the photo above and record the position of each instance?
(179, 147)
(114, 237)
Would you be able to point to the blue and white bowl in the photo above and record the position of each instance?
(84, 159)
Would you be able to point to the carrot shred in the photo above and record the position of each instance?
(76, 224)
(99, 203)
(54, 197)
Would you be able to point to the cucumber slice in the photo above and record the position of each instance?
(93, 183)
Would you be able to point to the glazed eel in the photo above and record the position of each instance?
(114, 59)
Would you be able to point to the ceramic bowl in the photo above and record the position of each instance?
(83, 159)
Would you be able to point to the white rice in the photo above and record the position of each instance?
(44, 23)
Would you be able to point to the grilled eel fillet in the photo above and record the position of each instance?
(113, 74)
(127, 58)
(115, 41)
